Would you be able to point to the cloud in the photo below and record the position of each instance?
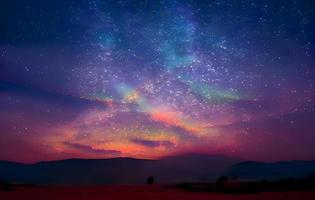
(287, 136)
(153, 143)
(89, 149)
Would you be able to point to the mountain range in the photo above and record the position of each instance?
(173, 169)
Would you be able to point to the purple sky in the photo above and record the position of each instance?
(146, 79)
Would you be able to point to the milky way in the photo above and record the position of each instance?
(146, 79)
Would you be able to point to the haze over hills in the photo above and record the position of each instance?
(190, 167)
(251, 170)
(174, 169)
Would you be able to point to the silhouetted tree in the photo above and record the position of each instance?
(234, 177)
(311, 176)
(264, 181)
(221, 181)
(150, 180)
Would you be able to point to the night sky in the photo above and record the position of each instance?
(147, 79)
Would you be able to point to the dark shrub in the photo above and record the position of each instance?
(221, 181)
(150, 180)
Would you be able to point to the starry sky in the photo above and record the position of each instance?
(151, 78)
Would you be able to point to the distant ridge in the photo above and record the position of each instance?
(171, 169)
(253, 170)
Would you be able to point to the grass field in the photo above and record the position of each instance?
(139, 193)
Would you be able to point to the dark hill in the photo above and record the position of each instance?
(174, 169)
(190, 168)
(251, 170)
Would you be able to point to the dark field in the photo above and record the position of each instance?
(137, 192)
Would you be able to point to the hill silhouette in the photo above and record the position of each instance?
(173, 169)
(251, 170)
(188, 167)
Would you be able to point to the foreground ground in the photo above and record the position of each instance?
(138, 192)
